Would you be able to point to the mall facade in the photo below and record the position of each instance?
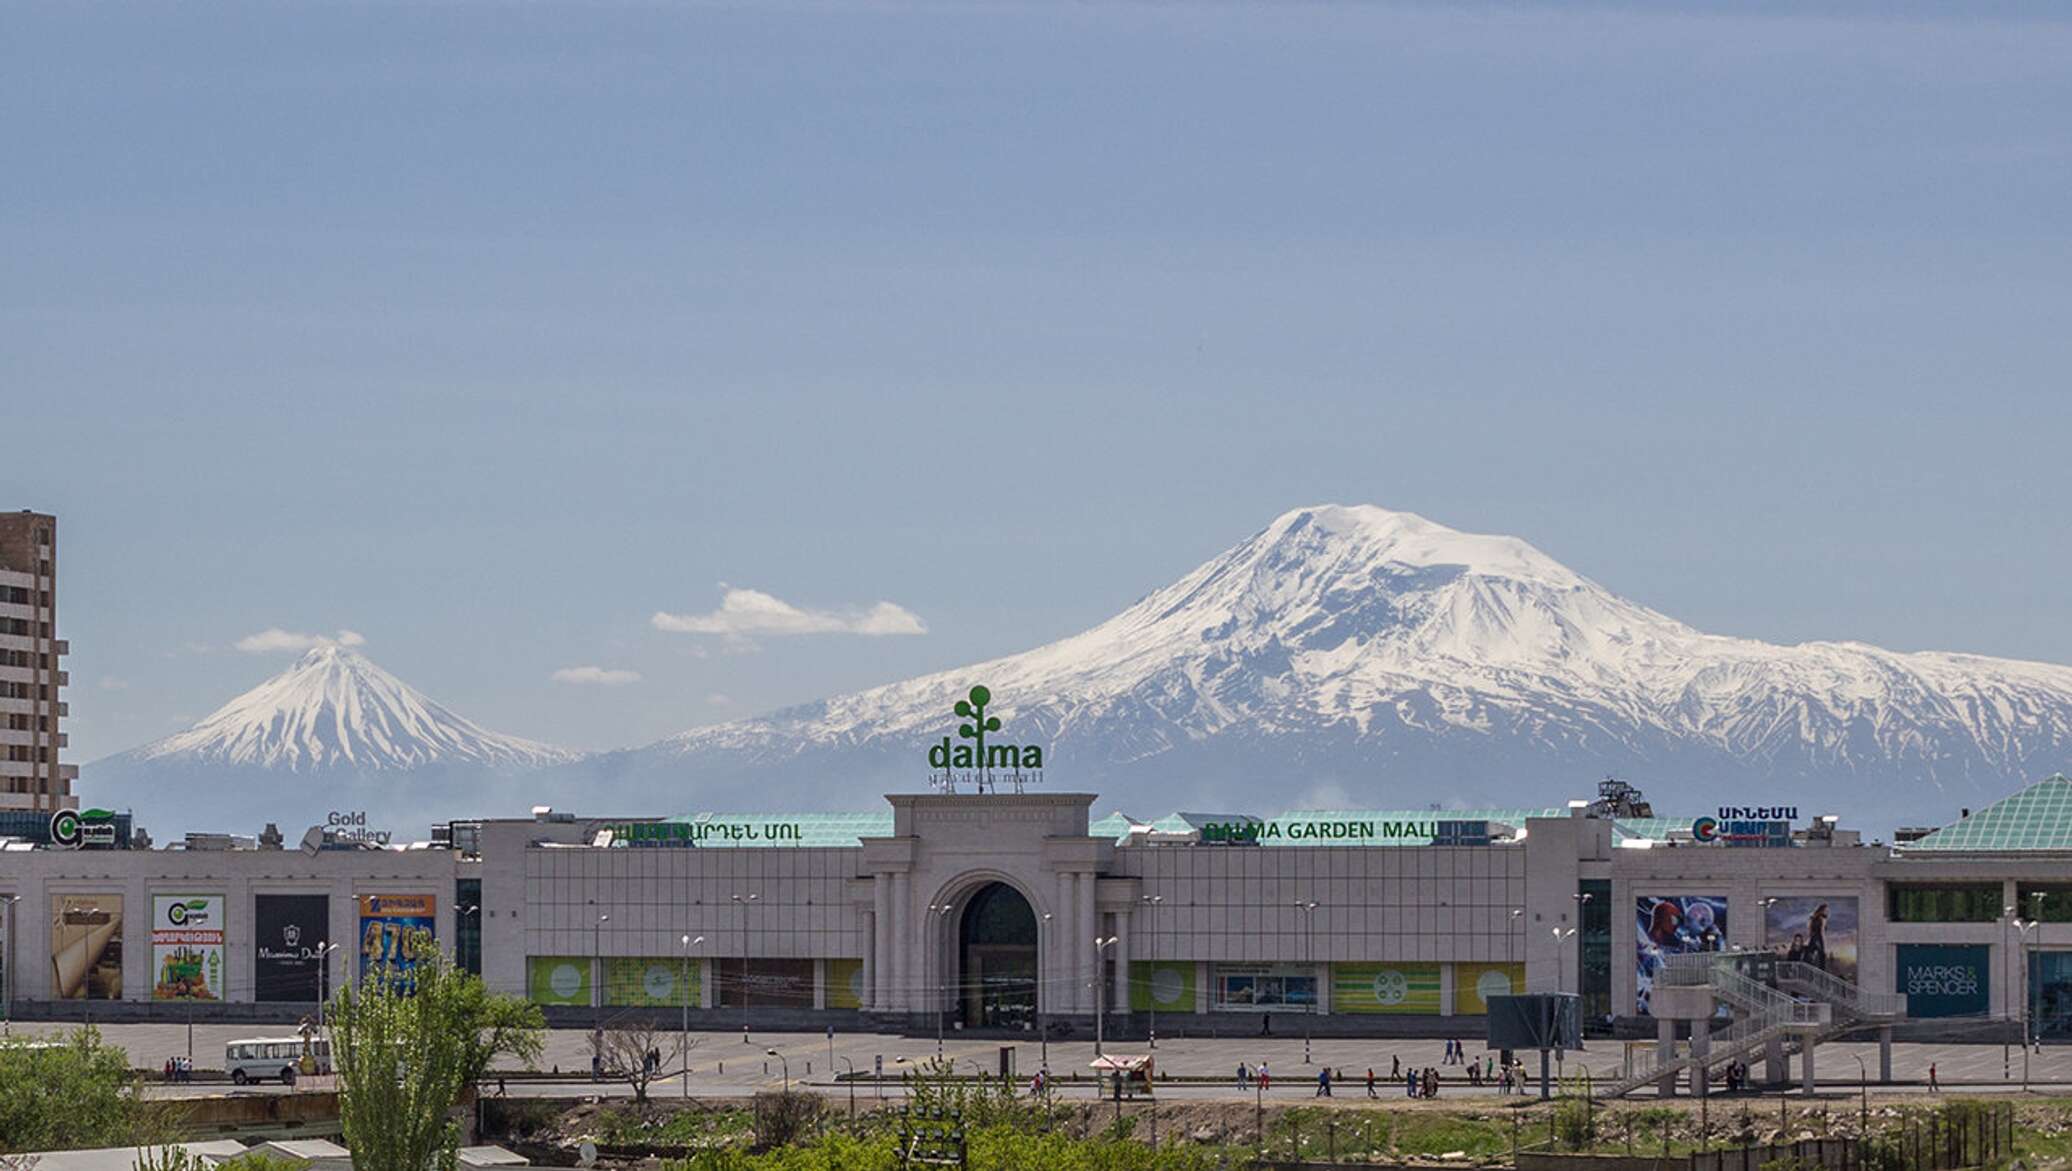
(1006, 912)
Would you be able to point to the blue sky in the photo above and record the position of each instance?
(488, 331)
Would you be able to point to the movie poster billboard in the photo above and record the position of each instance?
(1263, 988)
(1474, 984)
(1407, 989)
(1668, 925)
(397, 932)
(86, 946)
(289, 934)
(187, 947)
(1816, 930)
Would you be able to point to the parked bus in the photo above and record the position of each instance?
(264, 1058)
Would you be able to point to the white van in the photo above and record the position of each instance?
(262, 1058)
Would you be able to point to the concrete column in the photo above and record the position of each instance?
(1447, 1007)
(1665, 1052)
(1806, 1063)
(1775, 1071)
(879, 922)
(1089, 926)
(1885, 1054)
(1064, 951)
(1119, 994)
(1701, 1047)
(903, 946)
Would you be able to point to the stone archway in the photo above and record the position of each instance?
(997, 940)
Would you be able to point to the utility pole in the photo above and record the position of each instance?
(683, 993)
(936, 942)
(1309, 919)
(742, 901)
(1151, 993)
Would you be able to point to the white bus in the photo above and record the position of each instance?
(264, 1058)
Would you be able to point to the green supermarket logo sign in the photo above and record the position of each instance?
(72, 828)
(971, 759)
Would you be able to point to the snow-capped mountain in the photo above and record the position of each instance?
(332, 732)
(1358, 656)
(334, 709)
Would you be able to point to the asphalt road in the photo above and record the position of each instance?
(722, 1065)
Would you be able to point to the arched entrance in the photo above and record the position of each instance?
(996, 947)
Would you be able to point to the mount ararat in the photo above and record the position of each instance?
(1346, 657)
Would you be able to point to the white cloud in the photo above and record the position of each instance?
(599, 676)
(274, 639)
(743, 613)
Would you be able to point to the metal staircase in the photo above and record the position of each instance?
(1807, 1004)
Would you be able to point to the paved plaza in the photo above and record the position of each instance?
(723, 1065)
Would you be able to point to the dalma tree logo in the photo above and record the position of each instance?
(974, 760)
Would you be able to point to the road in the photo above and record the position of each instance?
(722, 1065)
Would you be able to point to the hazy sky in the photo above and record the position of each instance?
(488, 331)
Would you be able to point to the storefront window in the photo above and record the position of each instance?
(1594, 953)
(1269, 987)
(2050, 993)
(1970, 903)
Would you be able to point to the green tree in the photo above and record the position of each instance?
(406, 1053)
(77, 1093)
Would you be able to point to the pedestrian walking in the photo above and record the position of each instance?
(1934, 1087)
(1265, 1078)
(1395, 1067)
(1244, 1076)
(1370, 1083)
(1324, 1082)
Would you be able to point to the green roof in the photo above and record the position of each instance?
(2037, 818)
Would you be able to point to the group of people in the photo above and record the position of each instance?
(1246, 1076)
(1417, 1083)
(179, 1069)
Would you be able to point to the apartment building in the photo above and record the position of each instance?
(32, 777)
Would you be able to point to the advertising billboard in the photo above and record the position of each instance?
(289, 934)
(187, 947)
(768, 983)
(396, 933)
(1410, 989)
(1816, 930)
(1263, 987)
(844, 983)
(1474, 984)
(86, 946)
(652, 981)
(1942, 979)
(1668, 925)
(557, 979)
(1162, 986)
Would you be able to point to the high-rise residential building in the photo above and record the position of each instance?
(31, 714)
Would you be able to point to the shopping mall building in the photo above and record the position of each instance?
(1007, 911)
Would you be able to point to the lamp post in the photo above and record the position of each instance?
(851, 1079)
(1582, 900)
(1561, 937)
(1101, 947)
(2007, 993)
(1043, 1012)
(1863, 1085)
(936, 949)
(323, 992)
(1151, 993)
(787, 1068)
(1308, 907)
(742, 901)
(7, 964)
(683, 993)
(2022, 928)
(460, 915)
(597, 992)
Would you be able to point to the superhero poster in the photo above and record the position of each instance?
(1668, 925)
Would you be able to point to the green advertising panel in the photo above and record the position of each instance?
(845, 983)
(558, 979)
(650, 982)
(1385, 988)
(1162, 986)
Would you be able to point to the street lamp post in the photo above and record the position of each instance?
(2007, 916)
(1582, 899)
(1308, 907)
(683, 993)
(597, 992)
(1151, 993)
(1043, 1012)
(1101, 947)
(1863, 1085)
(2022, 928)
(7, 964)
(787, 1068)
(742, 901)
(1561, 937)
(851, 1079)
(936, 949)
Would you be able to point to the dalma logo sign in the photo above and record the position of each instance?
(71, 829)
(971, 760)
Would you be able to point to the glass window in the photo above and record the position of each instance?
(2051, 904)
(1968, 903)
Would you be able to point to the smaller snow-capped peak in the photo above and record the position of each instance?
(335, 709)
